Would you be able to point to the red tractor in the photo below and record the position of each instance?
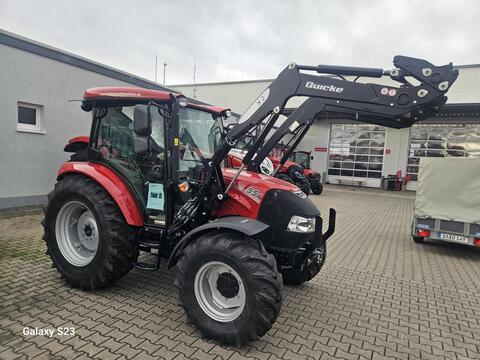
(314, 178)
(292, 172)
(288, 170)
(149, 179)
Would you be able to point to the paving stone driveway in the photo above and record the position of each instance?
(380, 295)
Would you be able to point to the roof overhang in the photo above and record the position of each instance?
(121, 95)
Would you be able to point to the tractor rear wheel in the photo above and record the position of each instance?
(87, 237)
(310, 268)
(229, 287)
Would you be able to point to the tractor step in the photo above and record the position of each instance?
(148, 245)
(147, 267)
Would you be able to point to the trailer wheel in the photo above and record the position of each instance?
(87, 237)
(311, 267)
(229, 287)
(418, 239)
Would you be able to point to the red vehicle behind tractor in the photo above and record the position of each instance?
(289, 171)
(150, 179)
(314, 178)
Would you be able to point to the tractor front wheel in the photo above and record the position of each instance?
(229, 287)
(87, 237)
(304, 185)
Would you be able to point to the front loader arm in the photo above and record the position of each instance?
(363, 101)
(396, 107)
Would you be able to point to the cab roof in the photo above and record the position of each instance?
(137, 93)
(126, 93)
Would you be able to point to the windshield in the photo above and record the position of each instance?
(244, 144)
(200, 131)
(200, 135)
(303, 159)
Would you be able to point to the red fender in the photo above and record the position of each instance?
(112, 183)
(76, 143)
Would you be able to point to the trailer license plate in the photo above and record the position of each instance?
(455, 238)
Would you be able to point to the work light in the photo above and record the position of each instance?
(182, 101)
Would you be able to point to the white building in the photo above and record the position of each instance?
(38, 117)
(351, 152)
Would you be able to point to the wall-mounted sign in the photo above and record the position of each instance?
(320, 149)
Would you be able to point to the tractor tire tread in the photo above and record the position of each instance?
(264, 278)
(119, 250)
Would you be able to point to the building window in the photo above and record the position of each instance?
(356, 150)
(30, 118)
(441, 140)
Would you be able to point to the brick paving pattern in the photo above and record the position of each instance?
(380, 296)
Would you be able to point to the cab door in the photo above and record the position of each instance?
(144, 174)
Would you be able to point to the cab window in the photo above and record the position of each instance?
(145, 173)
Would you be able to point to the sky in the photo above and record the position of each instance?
(248, 40)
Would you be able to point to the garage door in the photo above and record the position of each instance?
(441, 140)
(355, 153)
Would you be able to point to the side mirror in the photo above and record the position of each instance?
(311, 157)
(142, 120)
(141, 145)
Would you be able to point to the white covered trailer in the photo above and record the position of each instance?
(447, 205)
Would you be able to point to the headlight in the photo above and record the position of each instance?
(301, 225)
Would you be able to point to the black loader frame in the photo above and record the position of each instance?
(396, 107)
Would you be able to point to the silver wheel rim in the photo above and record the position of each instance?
(220, 303)
(77, 233)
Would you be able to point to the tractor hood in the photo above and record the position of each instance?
(262, 182)
(248, 192)
(271, 201)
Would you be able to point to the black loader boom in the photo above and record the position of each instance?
(384, 105)
(395, 107)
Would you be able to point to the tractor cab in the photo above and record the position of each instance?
(154, 140)
(314, 178)
(302, 158)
